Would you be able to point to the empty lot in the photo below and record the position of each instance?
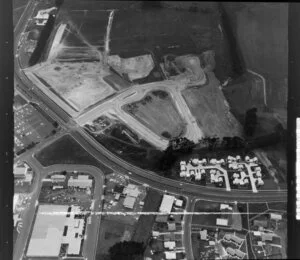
(158, 112)
(80, 84)
(208, 105)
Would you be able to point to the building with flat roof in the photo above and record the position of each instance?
(58, 177)
(20, 172)
(170, 245)
(203, 234)
(170, 255)
(178, 203)
(56, 225)
(167, 204)
(80, 183)
(275, 216)
(222, 222)
(131, 190)
(129, 202)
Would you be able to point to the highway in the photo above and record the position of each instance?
(108, 158)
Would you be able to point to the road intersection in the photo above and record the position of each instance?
(191, 191)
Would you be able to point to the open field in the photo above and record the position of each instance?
(208, 105)
(80, 84)
(19, 101)
(257, 28)
(158, 112)
(145, 158)
(18, 8)
(110, 233)
(145, 222)
(55, 153)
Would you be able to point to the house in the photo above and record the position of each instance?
(171, 226)
(58, 178)
(275, 216)
(222, 222)
(261, 243)
(257, 233)
(212, 243)
(260, 223)
(170, 255)
(225, 206)
(247, 158)
(170, 245)
(155, 233)
(267, 236)
(80, 183)
(131, 190)
(237, 239)
(117, 196)
(230, 251)
(203, 234)
(129, 202)
(239, 253)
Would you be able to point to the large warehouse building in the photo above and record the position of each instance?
(56, 225)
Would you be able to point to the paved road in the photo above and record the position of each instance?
(149, 177)
(90, 245)
(154, 180)
(109, 159)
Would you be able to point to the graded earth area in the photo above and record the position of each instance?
(208, 104)
(158, 112)
(81, 84)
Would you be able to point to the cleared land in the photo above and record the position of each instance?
(80, 84)
(158, 112)
(56, 153)
(208, 105)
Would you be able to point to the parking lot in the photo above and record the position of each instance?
(30, 127)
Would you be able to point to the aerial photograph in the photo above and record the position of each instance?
(150, 130)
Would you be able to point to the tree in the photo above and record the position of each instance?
(127, 250)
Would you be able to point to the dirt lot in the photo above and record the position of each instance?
(149, 112)
(80, 84)
(207, 104)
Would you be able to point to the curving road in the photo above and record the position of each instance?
(108, 158)
(90, 244)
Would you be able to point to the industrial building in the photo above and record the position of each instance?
(80, 182)
(56, 225)
(167, 204)
(22, 173)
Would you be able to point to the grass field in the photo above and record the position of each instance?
(80, 84)
(207, 104)
(56, 153)
(19, 101)
(145, 222)
(142, 157)
(206, 207)
(111, 232)
(158, 113)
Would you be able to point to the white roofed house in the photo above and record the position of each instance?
(275, 216)
(58, 178)
(222, 222)
(170, 255)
